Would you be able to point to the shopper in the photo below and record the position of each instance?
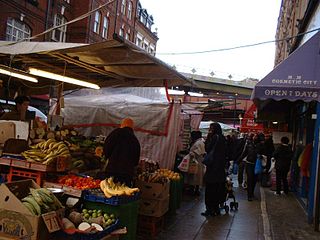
(239, 159)
(197, 151)
(269, 150)
(20, 111)
(215, 175)
(283, 156)
(253, 149)
(122, 150)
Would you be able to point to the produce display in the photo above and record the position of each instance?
(78, 182)
(46, 152)
(159, 176)
(88, 220)
(111, 189)
(40, 201)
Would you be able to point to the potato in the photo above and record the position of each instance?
(75, 217)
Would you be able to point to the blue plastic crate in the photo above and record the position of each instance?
(96, 195)
(93, 236)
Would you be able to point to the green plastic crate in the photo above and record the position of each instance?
(127, 214)
(176, 188)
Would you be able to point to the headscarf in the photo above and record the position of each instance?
(127, 122)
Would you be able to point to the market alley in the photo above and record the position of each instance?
(267, 217)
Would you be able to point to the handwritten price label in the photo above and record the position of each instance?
(51, 221)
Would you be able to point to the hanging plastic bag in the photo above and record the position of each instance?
(258, 167)
(184, 165)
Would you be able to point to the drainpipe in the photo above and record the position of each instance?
(115, 20)
(89, 24)
(46, 24)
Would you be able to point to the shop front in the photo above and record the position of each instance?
(292, 91)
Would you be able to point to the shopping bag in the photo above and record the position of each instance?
(184, 165)
(193, 167)
(258, 167)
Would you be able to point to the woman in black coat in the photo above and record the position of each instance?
(283, 156)
(254, 148)
(215, 176)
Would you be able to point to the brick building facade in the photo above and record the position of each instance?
(126, 18)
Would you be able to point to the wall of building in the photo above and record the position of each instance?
(292, 20)
(41, 15)
(25, 12)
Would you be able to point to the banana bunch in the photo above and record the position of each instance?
(155, 177)
(40, 201)
(111, 189)
(47, 151)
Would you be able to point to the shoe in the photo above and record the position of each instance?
(250, 199)
(278, 194)
(206, 213)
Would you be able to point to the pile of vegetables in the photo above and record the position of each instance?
(78, 182)
(88, 220)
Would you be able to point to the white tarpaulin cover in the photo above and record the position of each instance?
(155, 121)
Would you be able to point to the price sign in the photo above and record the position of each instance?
(51, 221)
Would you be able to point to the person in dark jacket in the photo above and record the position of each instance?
(122, 149)
(215, 175)
(283, 156)
(254, 148)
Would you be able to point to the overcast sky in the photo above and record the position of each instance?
(192, 26)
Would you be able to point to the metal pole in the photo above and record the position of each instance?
(234, 112)
(317, 192)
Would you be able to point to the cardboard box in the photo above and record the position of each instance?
(15, 219)
(154, 207)
(153, 190)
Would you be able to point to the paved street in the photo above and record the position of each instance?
(267, 217)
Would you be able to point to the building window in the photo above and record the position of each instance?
(127, 36)
(121, 31)
(17, 30)
(105, 27)
(129, 10)
(96, 25)
(59, 34)
(123, 7)
(139, 40)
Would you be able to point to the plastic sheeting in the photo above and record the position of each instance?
(156, 122)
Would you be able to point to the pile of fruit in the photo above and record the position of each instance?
(111, 189)
(88, 220)
(159, 176)
(41, 200)
(46, 152)
(173, 176)
(78, 182)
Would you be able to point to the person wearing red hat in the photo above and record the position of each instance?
(122, 149)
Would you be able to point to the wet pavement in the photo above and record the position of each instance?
(266, 217)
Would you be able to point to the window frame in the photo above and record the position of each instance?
(62, 30)
(97, 22)
(105, 27)
(25, 30)
(129, 12)
(123, 7)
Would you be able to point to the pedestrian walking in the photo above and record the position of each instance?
(283, 156)
(215, 175)
(254, 148)
(197, 152)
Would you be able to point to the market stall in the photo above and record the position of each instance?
(61, 160)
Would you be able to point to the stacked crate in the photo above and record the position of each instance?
(153, 205)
